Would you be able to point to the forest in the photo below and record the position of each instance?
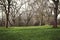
(29, 12)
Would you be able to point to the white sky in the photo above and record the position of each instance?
(59, 16)
(51, 1)
(0, 14)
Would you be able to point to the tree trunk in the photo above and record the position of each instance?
(7, 19)
(55, 18)
(55, 14)
(7, 14)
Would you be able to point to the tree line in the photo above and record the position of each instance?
(29, 12)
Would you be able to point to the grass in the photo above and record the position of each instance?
(30, 33)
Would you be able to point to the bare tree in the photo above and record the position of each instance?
(55, 12)
(6, 5)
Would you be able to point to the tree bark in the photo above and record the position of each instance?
(7, 14)
(55, 13)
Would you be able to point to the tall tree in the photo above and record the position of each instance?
(7, 13)
(55, 12)
(6, 5)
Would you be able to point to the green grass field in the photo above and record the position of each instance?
(30, 33)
